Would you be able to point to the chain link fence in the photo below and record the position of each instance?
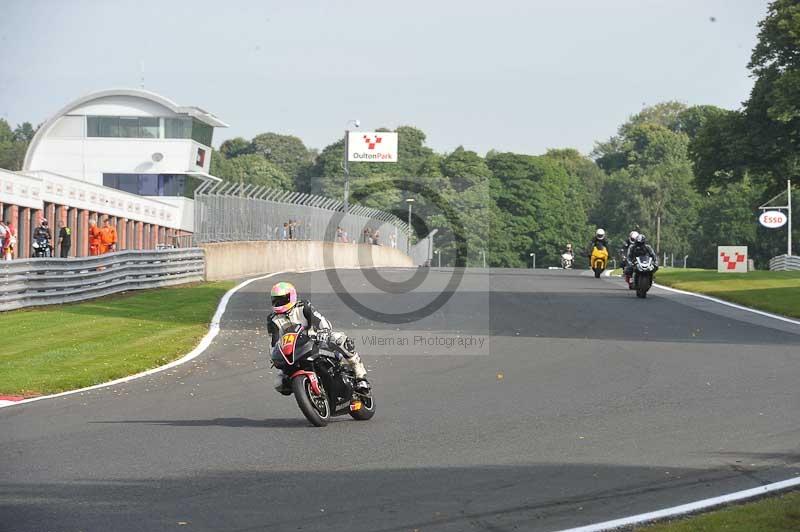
(228, 211)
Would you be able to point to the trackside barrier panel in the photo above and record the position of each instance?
(783, 263)
(33, 282)
(233, 212)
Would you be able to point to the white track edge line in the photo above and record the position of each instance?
(726, 303)
(691, 507)
(729, 304)
(213, 330)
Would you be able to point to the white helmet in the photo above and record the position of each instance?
(600, 234)
(633, 235)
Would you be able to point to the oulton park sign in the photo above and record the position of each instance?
(371, 147)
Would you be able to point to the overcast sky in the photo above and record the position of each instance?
(520, 76)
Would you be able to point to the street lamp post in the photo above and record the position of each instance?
(409, 201)
(533, 261)
(345, 166)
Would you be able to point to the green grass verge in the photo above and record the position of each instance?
(53, 349)
(776, 292)
(767, 515)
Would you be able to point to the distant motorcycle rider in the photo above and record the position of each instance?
(286, 310)
(599, 240)
(624, 252)
(640, 248)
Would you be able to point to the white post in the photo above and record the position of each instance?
(789, 204)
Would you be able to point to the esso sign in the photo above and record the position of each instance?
(773, 219)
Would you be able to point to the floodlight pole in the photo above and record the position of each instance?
(346, 167)
(345, 200)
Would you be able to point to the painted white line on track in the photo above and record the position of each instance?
(726, 303)
(729, 304)
(213, 330)
(691, 507)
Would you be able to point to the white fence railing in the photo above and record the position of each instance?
(32, 282)
(783, 263)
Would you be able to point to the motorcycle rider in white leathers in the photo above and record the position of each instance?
(286, 309)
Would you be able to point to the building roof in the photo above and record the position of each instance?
(195, 112)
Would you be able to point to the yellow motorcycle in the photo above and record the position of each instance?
(599, 259)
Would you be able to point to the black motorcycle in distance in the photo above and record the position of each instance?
(643, 272)
(41, 247)
(322, 386)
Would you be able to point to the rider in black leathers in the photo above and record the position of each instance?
(42, 232)
(288, 310)
(640, 248)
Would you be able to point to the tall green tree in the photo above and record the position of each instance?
(250, 169)
(235, 147)
(14, 144)
(287, 152)
(538, 208)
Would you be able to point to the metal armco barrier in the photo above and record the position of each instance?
(32, 282)
(783, 263)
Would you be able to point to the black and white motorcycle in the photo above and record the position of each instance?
(41, 247)
(644, 269)
(567, 258)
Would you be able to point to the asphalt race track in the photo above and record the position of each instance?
(585, 404)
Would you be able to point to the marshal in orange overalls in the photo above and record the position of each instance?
(94, 240)
(108, 238)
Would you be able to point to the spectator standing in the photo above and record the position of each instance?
(339, 234)
(375, 236)
(94, 238)
(285, 231)
(7, 245)
(64, 239)
(3, 238)
(108, 237)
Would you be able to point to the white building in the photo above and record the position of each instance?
(129, 154)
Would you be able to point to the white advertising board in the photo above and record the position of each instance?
(732, 259)
(371, 147)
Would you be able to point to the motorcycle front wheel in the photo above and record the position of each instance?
(643, 286)
(316, 409)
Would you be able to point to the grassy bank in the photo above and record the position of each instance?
(777, 292)
(58, 348)
(768, 515)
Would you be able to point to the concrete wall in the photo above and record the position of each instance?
(230, 260)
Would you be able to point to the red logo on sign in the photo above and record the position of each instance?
(372, 142)
(731, 262)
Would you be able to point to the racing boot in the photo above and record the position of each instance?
(362, 384)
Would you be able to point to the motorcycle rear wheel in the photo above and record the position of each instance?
(316, 409)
